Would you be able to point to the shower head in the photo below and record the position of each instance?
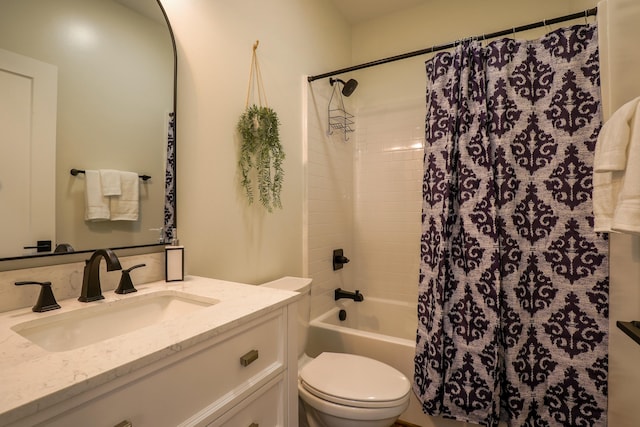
(347, 87)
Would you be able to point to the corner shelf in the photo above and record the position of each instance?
(632, 329)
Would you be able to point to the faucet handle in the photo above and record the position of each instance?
(126, 284)
(46, 300)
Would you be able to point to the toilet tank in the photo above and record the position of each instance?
(303, 286)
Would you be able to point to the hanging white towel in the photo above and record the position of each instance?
(616, 194)
(125, 207)
(96, 204)
(110, 181)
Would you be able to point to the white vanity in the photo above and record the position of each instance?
(230, 361)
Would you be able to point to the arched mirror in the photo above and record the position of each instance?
(87, 85)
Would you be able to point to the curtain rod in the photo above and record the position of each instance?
(588, 12)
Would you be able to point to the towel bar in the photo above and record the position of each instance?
(75, 172)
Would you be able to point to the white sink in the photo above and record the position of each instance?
(104, 320)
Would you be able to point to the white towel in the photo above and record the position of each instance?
(616, 193)
(616, 201)
(96, 204)
(110, 181)
(125, 207)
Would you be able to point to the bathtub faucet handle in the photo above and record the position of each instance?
(339, 259)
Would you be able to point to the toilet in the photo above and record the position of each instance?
(339, 389)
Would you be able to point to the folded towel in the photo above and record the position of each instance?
(96, 204)
(110, 181)
(616, 194)
(626, 218)
(125, 207)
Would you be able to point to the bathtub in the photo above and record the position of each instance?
(382, 329)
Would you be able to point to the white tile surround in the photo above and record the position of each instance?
(365, 196)
(330, 201)
(388, 188)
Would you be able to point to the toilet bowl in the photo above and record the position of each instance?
(343, 390)
(346, 390)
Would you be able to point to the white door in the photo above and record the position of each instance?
(28, 106)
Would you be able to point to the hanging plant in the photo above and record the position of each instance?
(261, 150)
(260, 147)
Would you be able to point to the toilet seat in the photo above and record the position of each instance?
(354, 381)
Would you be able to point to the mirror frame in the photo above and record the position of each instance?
(170, 199)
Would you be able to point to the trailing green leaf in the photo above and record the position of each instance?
(261, 150)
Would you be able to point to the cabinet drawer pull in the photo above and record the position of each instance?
(124, 423)
(249, 358)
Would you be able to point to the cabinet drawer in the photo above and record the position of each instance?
(235, 363)
(207, 381)
(264, 408)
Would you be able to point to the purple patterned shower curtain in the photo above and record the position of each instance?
(513, 294)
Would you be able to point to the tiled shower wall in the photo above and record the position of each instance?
(364, 195)
(388, 192)
(330, 200)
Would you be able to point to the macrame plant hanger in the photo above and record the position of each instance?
(260, 146)
(255, 80)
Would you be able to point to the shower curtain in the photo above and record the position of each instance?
(513, 292)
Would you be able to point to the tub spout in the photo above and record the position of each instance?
(356, 296)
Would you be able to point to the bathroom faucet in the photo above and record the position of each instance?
(91, 290)
(356, 296)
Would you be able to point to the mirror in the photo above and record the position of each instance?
(113, 65)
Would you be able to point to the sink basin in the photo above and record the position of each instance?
(101, 321)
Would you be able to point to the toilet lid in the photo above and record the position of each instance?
(354, 380)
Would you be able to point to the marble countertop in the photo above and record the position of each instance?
(33, 379)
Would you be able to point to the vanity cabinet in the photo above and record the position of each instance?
(245, 376)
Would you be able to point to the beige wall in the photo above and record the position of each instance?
(224, 237)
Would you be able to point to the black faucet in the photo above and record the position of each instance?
(91, 290)
(356, 296)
